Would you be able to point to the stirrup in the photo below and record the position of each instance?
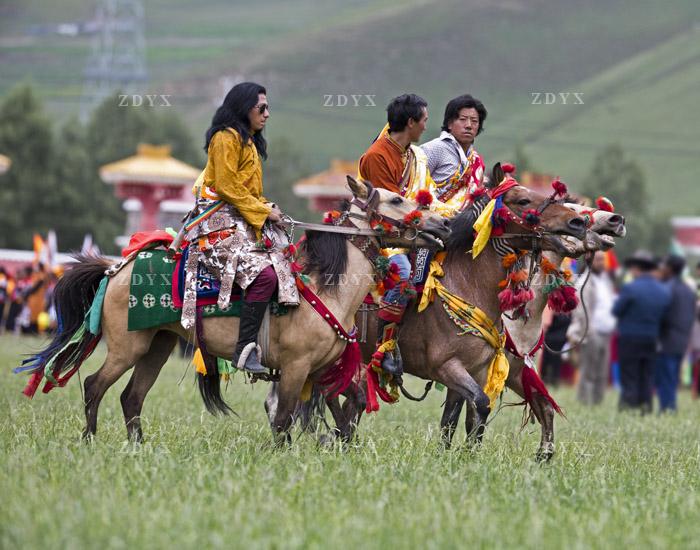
(392, 363)
(249, 361)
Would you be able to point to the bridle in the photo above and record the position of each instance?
(372, 215)
(368, 241)
(535, 232)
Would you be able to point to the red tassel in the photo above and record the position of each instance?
(424, 198)
(33, 384)
(604, 203)
(559, 187)
(372, 385)
(533, 383)
(508, 168)
(338, 377)
(563, 299)
(505, 299)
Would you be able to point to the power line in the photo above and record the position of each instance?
(118, 56)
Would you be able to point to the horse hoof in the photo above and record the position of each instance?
(545, 453)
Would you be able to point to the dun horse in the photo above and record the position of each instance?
(301, 343)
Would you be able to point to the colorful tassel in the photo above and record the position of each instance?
(424, 198)
(560, 188)
(198, 362)
(604, 203)
(533, 383)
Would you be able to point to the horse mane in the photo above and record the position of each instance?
(461, 236)
(326, 254)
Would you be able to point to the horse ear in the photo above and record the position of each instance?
(360, 190)
(497, 175)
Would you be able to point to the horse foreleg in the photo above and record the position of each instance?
(145, 373)
(454, 375)
(542, 409)
(450, 416)
(347, 416)
(291, 383)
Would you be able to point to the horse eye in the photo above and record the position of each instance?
(396, 200)
(524, 202)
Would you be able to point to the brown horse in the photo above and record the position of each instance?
(525, 335)
(301, 343)
(428, 345)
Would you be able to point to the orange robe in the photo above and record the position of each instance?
(383, 164)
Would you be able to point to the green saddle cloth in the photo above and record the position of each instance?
(150, 294)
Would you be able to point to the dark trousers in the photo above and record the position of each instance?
(667, 374)
(263, 287)
(551, 366)
(13, 312)
(637, 358)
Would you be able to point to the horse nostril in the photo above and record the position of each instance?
(577, 223)
(446, 223)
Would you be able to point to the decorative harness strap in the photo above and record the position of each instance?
(325, 313)
(513, 349)
(472, 320)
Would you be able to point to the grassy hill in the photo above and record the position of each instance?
(635, 61)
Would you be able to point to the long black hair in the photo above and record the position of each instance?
(234, 113)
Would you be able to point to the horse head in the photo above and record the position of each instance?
(603, 227)
(528, 215)
(400, 221)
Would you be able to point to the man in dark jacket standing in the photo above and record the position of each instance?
(676, 327)
(639, 309)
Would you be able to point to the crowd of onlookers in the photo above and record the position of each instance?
(636, 333)
(25, 298)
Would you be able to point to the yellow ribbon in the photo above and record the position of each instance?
(306, 391)
(483, 227)
(198, 361)
(477, 319)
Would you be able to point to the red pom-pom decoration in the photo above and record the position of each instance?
(559, 187)
(531, 217)
(508, 168)
(563, 299)
(413, 218)
(424, 198)
(331, 216)
(604, 203)
(478, 192)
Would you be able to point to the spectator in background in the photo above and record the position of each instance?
(554, 326)
(594, 361)
(639, 308)
(17, 299)
(35, 297)
(6, 287)
(695, 343)
(676, 327)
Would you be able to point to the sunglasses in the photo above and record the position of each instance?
(263, 107)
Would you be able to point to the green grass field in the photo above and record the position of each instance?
(200, 482)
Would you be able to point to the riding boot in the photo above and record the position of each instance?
(246, 357)
(391, 362)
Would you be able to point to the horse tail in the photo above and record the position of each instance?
(209, 384)
(72, 343)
